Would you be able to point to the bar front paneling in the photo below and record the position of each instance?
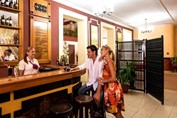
(37, 92)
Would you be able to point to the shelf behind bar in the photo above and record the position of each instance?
(9, 27)
(8, 9)
(11, 45)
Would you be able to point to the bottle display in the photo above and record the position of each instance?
(9, 26)
(7, 3)
(11, 4)
(16, 4)
(10, 21)
(57, 61)
(2, 20)
(2, 2)
(6, 21)
(16, 39)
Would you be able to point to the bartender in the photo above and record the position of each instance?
(29, 65)
(8, 56)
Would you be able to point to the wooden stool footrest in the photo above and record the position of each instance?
(61, 108)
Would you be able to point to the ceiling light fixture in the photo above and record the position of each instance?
(146, 29)
(105, 11)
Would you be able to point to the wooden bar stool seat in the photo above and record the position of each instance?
(87, 102)
(62, 110)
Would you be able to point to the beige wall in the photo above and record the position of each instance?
(82, 35)
(167, 30)
(175, 42)
(110, 35)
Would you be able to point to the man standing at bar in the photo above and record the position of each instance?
(94, 65)
(95, 70)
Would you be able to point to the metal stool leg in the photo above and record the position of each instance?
(86, 112)
(91, 110)
(81, 112)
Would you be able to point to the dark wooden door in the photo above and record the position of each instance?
(155, 68)
(71, 54)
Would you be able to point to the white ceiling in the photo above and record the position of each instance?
(131, 12)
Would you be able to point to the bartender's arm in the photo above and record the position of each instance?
(21, 72)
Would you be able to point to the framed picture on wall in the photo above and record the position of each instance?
(40, 32)
(70, 30)
(94, 35)
(119, 39)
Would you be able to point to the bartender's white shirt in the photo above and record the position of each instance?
(95, 70)
(9, 58)
(28, 68)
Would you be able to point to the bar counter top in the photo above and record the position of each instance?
(27, 81)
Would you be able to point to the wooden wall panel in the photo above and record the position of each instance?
(167, 64)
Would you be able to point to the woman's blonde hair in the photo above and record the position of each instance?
(111, 53)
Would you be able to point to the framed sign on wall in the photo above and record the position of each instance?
(40, 8)
(40, 32)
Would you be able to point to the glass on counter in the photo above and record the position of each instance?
(9, 72)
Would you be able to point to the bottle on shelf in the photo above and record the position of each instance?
(7, 3)
(2, 20)
(10, 21)
(58, 61)
(7, 21)
(16, 39)
(2, 2)
(16, 4)
(11, 4)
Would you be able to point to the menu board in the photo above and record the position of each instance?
(41, 38)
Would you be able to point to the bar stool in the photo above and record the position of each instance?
(87, 102)
(62, 110)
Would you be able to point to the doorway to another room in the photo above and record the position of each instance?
(79, 24)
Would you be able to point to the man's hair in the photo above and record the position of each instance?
(9, 50)
(93, 48)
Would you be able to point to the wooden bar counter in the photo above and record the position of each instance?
(15, 92)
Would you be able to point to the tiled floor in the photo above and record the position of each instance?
(140, 105)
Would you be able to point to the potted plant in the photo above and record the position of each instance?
(174, 63)
(127, 76)
(174, 59)
(63, 60)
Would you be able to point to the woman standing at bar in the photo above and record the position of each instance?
(29, 65)
(113, 93)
